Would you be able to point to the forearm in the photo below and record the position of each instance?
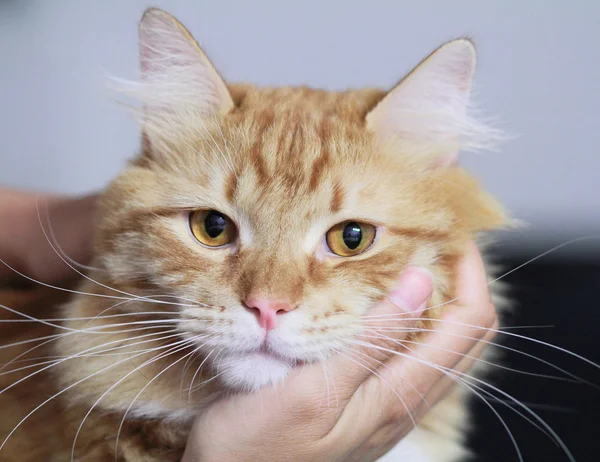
(23, 244)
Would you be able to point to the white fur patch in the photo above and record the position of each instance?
(315, 234)
(252, 371)
(411, 449)
(155, 410)
(245, 231)
(421, 445)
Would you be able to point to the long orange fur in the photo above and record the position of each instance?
(278, 160)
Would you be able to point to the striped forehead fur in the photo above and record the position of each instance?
(287, 164)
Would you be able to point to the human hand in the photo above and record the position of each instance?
(352, 413)
(23, 244)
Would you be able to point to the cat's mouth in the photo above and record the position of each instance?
(266, 352)
(253, 369)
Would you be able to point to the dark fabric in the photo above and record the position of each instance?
(564, 295)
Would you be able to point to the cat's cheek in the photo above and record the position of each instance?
(252, 371)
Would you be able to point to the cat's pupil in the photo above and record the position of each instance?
(215, 224)
(352, 235)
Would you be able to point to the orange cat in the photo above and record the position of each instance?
(290, 211)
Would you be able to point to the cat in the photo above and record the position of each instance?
(291, 210)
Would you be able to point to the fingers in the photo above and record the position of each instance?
(420, 371)
(472, 291)
(410, 298)
(386, 437)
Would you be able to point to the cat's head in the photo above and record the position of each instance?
(279, 216)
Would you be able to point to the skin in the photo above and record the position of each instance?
(348, 414)
(23, 245)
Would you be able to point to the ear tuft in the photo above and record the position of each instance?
(176, 76)
(174, 68)
(427, 110)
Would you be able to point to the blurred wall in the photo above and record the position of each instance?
(539, 75)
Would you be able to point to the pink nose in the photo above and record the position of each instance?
(266, 310)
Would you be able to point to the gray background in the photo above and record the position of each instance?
(538, 75)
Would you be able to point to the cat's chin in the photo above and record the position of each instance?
(251, 371)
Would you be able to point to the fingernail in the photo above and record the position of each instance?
(413, 290)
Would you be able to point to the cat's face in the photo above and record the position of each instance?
(279, 217)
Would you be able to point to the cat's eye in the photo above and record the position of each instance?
(212, 228)
(350, 238)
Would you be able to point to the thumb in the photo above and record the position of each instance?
(398, 312)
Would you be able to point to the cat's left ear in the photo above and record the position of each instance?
(176, 74)
(427, 110)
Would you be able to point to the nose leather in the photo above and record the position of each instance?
(267, 310)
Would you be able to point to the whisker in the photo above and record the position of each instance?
(83, 318)
(547, 252)
(545, 407)
(198, 369)
(14, 360)
(31, 340)
(143, 389)
(508, 396)
(543, 254)
(102, 313)
(30, 366)
(204, 382)
(186, 366)
(55, 241)
(91, 294)
(58, 326)
(54, 359)
(414, 423)
(452, 375)
(522, 353)
(196, 304)
(323, 365)
(37, 205)
(324, 362)
(510, 434)
(173, 348)
(62, 289)
(383, 364)
(76, 355)
(56, 336)
(129, 345)
(500, 366)
(61, 392)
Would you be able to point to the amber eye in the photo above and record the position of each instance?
(212, 228)
(350, 238)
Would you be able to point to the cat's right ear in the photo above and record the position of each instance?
(426, 113)
(176, 75)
